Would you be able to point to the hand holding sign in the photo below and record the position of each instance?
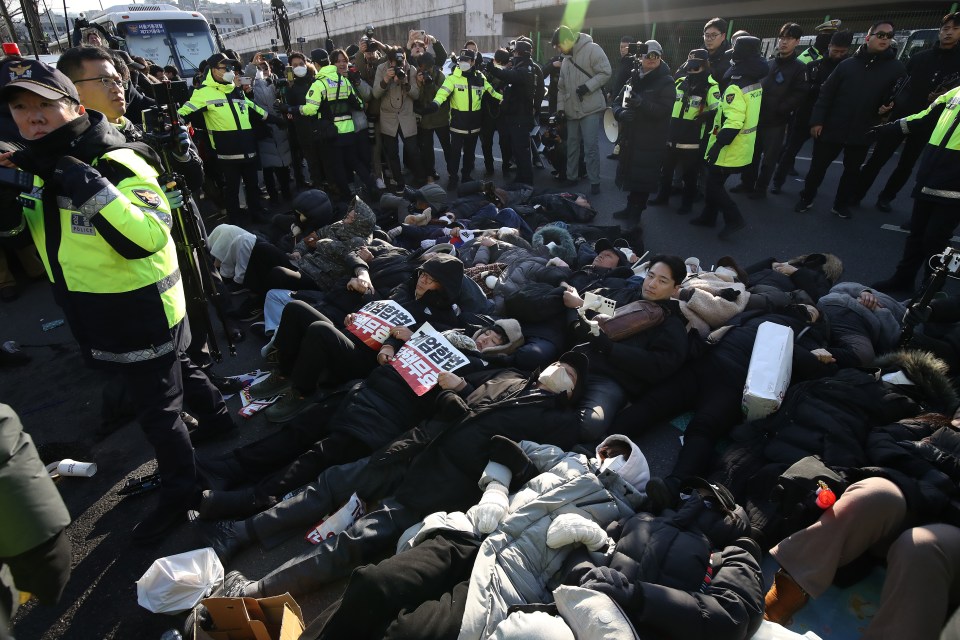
(424, 357)
(374, 322)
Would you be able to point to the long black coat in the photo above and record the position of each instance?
(644, 141)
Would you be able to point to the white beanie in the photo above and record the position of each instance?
(635, 470)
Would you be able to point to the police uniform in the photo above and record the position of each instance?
(692, 110)
(102, 230)
(936, 207)
(731, 144)
(228, 116)
(465, 92)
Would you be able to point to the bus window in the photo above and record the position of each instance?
(182, 43)
(917, 42)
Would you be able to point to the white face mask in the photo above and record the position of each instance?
(555, 379)
(228, 76)
(299, 71)
(259, 75)
(614, 464)
(464, 66)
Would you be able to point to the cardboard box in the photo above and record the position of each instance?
(771, 365)
(274, 618)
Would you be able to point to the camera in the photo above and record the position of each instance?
(637, 48)
(368, 32)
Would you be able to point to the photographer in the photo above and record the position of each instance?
(464, 88)
(518, 109)
(366, 60)
(305, 128)
(274, 144)
(104, 234)
(430, 78)
(397, 90)
(643, 108)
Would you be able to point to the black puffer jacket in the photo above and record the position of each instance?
(691, 573)
(644, 139)
(849, 99)
(784, 90)
(719, 65)
(927, 70)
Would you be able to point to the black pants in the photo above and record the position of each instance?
(717, 200)
(160, 394)
(824, 153)
(488, 128)
(688, 161)
(277, 181)
(264, 257)
(766, 152)
(420, 593)
(233, 174)
(713, 393)
(336, 448)
(349, 162)
(798, 134)
(515, 132)
(882, 152)
(931, 226)
(312, 350)
(43, 571)
(391, 149)
(465, 145)
(427, 157)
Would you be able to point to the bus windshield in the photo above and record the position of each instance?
(182, 43)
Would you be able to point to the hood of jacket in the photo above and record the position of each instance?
(209, 81)
(583, 40)
(748, 71)
(448, 271)
(929, 375)
(514, 333)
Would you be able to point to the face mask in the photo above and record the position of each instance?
(464, 66)
(228, 76)
(300, 71)
(614, 464)
(555, 379)
(259, 75)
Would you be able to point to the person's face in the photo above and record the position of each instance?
(264, 70)
(786, 45)
(170, 75)
(488, 339)
(623, 48)
(837, 53)
(614, 449)
(649, 62)
(107, 98)
(425, 283)
(351, 217)
(949, 33)
(606, 259)
(659, 283)
(218, 71)
(880, 38)
(94, 39)
(694, 70)
(37, 116)
(417, 49)
(297, 62)
(343, 65)
(570, 372)
(712, 39)
(566, 46)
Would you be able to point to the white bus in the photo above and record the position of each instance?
(158, 32)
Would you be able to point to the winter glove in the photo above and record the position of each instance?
(616, 586)
(430, 107)
(713, 154)
(572, 528)
(492, 507)
(509, 454)
(729, 294)
(180, 143)
(582, 90)
(626, 115)
(174, 196)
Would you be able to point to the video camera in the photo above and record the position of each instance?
(637, 49)
(548, 140)
(398, 59)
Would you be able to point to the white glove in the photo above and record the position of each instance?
(426, 244)
(492, 507)
(572, 528)
(294, 229)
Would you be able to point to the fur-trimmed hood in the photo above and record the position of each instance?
(931, 385)
(830, 264)
(565, 249)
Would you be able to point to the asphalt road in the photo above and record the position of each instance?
(59, 402)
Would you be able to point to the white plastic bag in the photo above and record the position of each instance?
(177, 583)
(773, 631)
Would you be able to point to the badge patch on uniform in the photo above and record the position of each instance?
(730, 98)
(79, 224)
(148, 197)
(716, 95)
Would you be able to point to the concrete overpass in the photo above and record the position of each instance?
(676, 23)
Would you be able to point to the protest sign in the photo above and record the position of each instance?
(373, 322)
(424, 356)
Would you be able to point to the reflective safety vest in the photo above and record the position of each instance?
(688, 122)
(336, 91)
(938, 176)
(809, 55)
(465, 93)
(226, 113)
(739, 109)
(113, 262)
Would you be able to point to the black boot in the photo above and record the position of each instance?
(219, 505)
(237, 585)
(225, 537)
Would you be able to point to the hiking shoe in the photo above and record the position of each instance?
(884, 205)
(225, 537)
(841, 211)
(784, 599)
(803, 205)
(272, 386)
(287, 408)
(237, 585)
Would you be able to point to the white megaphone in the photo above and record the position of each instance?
(610, 126)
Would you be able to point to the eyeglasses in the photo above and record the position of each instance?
(106, 81)
(652, 56)
(427, 278)
(713, 35)
(883, 35)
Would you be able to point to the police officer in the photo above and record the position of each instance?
(932, 72)
(818, 49)
(228, 115)
(464, 88)
(518, 108)
(784, 88)
(936, 207)
(817, 73)
(102, 226)
(730, 148)
(695, 105)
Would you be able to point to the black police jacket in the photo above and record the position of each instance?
(784, 90)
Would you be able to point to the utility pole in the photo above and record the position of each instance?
(32, 19)
(8, 21)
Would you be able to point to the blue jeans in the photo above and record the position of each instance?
(503, 217)
(273, 306)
